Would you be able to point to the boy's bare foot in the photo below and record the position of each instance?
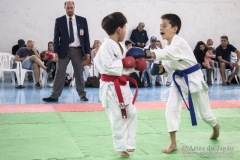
(170, 148)
(216, 131)
(123, 154)
(130, 150)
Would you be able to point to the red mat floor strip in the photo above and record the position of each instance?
(91, 107)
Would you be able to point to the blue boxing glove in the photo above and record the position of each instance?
(157, 69)
(136, 52)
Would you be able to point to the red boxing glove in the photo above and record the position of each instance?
(49, 55)
(141, 65)
(128, 62)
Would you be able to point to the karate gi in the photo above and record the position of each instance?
(179, 56)
(108, 61)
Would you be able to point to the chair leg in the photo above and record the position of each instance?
(44, 77)
(13, 77)
(236, 78)
(23, 73)
(2, 76)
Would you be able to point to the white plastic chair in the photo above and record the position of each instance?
(236, 76)
(6, 65)
(219, 77)
(43, 77)
(23, 73)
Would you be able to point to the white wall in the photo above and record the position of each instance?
(202, 19)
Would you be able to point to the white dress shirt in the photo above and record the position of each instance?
(76, 42)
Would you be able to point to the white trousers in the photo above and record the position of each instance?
(86, 72)
(201, 106)
(123, 130)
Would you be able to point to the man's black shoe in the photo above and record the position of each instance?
(38, 85)
(157, 84)
(20, 87)
(84, 98)
(50, 99)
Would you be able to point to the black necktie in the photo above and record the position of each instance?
(71, 37)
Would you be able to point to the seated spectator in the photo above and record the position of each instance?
(208, 62)
(151, 47)
(15, 48)
(95, 48)
(31, 60)
(139, 36)
(128, 44)
(223, 53)
(86, 68)
(159, 44)
(49, 59)
(199, 52)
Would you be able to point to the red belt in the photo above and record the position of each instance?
(121, 80)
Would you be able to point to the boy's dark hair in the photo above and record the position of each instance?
(127, 42)
(224, 37)
(174, 20)
(112, 21)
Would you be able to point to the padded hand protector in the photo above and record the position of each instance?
(135, 52)
(128, 62)
(157, 69)
(141, 65)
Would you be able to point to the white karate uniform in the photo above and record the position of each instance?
(109, 61)
(179, 56)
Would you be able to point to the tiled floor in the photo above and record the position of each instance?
(31, 95)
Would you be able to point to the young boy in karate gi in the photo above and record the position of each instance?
(113, 67)
(183, 65)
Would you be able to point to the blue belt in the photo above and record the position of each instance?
(184, 74)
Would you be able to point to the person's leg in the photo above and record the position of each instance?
(212, 64)
(77, 62)
(222, 72)
(119, 125)
(36, 71)
(235, 72)
(131, 127)
(207, 64)
(173, 111)
(158, 80)
(85, 73)
(36, 60)
(149, 74)
(27, 64)
(202, 107)
(209, 76)
(59, 79)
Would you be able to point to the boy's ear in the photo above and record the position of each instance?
(118, 29)
(175, 29)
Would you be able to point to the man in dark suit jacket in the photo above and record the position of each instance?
(71, 42)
